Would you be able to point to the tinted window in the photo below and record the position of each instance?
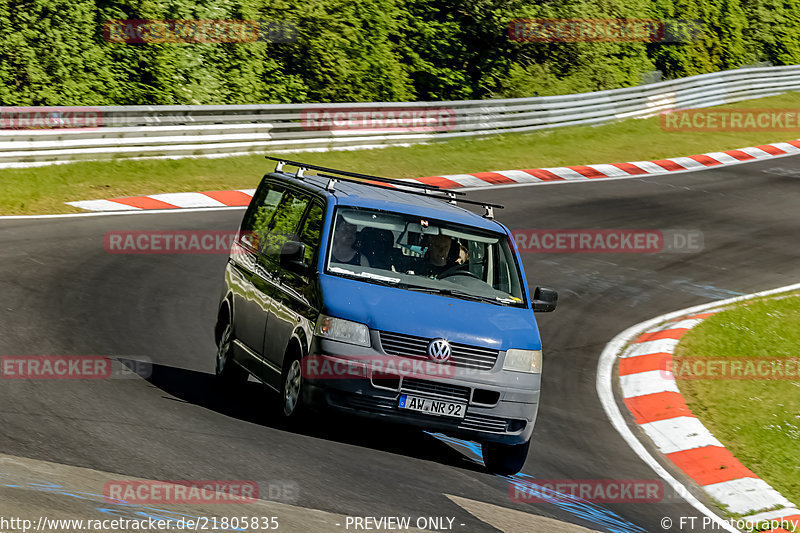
(312, 232)
(285, 222)
(256, 222)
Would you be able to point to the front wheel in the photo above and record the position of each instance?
(504, 459)
(292, 390)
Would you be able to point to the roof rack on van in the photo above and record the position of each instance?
(431, 191)
(358, 176)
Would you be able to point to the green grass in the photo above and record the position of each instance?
(45, 189)
(758, 421)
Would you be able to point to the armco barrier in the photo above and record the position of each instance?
(208, 130)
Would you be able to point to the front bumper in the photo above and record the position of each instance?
(501, 405)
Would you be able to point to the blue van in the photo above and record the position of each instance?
(383, 299)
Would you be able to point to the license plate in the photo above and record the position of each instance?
(432, 407)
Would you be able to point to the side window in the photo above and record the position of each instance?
(285, 223)
(264, 214)
(256, 221)
(312, 231)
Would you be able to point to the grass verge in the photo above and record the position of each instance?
(45, 189)
(758, 420)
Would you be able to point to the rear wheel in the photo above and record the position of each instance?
(505, 459)
(228, 373)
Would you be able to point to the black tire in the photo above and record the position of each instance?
(291, 406)
(505, 459)
(229, 374)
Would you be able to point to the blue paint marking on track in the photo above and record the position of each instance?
(708, 291)
(586, 510)
(122, 509)
(526, 484)
(473, 447)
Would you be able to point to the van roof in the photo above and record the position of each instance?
(353, 193)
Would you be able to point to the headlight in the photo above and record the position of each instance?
(338, 329)
(529, 361)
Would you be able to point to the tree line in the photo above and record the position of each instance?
(55, 52)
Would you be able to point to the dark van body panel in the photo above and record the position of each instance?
(272, 306)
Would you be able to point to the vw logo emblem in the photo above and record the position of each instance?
(439, 350)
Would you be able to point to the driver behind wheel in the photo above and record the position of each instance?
(444, 255)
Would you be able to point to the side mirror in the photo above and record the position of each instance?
(544, 300)
(292, 257)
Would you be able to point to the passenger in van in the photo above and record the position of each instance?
(344, 240)
(377, 248)
(444, 254)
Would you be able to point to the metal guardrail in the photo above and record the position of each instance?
(210, 130)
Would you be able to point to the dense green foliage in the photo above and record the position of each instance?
(53, 52)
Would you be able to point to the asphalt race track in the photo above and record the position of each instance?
(63, 294)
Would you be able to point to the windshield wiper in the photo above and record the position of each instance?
(459, 294)
(395, 282)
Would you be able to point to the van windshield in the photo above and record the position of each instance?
(424, 255)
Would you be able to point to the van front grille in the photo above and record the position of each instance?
(462, 355)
